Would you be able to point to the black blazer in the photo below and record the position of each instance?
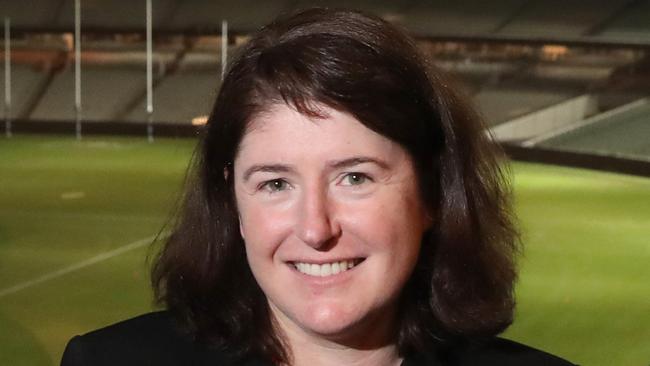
(152, 339)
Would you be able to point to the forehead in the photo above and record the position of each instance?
(283, 132)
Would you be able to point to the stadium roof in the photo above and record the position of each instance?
(583, 21)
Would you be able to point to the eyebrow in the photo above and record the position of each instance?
(356, 161)
(336, 164)
(268, 168)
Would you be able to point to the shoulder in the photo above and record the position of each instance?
(493, 351)
(500, 351)
(149, 339)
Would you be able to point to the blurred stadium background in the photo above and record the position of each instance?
(563, 86)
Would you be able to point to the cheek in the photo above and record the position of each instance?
(263, 228)
(392, 223)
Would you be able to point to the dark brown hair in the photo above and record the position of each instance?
(462, 286)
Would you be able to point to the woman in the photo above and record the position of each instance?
(345, 208)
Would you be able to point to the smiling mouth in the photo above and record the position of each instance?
(326, 269)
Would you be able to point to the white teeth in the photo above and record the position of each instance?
(323, 270)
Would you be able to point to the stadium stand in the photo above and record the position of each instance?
(501, 104)
(626, 134)
(201, 14)
(106, 90)
(27, 81)
(468, 17)
(504, 53)
(632, 24)
(619, 21)
(181, 96)
(571, 18)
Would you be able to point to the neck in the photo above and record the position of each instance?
(310, 354)
(372, 345)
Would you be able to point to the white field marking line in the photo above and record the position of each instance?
(77, 266)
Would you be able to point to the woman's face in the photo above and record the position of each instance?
(332, 220)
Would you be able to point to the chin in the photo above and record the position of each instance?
(331, 321)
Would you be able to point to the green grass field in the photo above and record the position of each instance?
(584, 290)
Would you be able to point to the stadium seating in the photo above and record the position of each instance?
(632, 25)
(458, 17)
(500, 104)
(546, 19)
(181, 96)
(105, 91)
(26, 81)
(624, 134)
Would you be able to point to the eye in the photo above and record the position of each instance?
(354, 179)
(274, 185)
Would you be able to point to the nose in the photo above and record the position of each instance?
(316, 223)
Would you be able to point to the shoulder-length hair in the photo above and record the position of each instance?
(462, 286)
